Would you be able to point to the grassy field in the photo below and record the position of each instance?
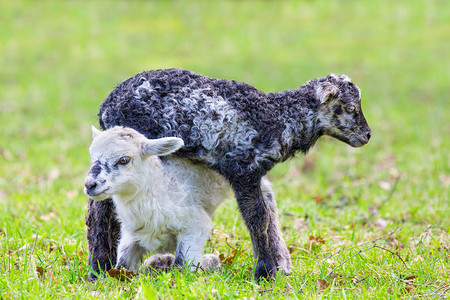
(372, 222)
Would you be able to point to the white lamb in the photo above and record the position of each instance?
(164, 205)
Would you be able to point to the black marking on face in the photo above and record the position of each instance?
(96, 169)
(107, 168)
(341, 127)
(337, 109)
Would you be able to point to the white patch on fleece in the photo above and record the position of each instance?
(144, 87)
(216, 124)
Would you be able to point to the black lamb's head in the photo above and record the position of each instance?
(340, 114)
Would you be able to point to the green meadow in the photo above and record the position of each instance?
(372, 222)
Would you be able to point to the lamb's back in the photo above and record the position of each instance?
(140, 101)
(220, 121)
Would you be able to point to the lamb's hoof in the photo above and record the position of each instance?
(209, 262)
(284, 265)
(264, 270)
(159, 263)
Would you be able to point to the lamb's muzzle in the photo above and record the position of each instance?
(90, 185)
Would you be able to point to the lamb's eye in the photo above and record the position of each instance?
(124, 160)
(350, 108)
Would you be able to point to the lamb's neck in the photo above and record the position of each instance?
(148, 189)
(298, 111)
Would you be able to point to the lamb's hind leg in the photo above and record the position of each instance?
(165, 262)
(159, 262)
(103, 231)
(256, 214)
(209, 262)
(277, 245)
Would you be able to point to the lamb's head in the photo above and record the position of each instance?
(117, 157)
(340, 114)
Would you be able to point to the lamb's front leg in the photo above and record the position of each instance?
(191, 244)
(256, 214)
(277, 244)
(129, 252)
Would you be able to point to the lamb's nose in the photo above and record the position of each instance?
(90, 183)
(369, 134)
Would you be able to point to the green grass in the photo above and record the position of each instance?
(59, 60)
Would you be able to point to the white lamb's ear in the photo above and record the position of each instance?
(162, 146)
(95, 132)
(326, 91)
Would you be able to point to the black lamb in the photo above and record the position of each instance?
(236, 130)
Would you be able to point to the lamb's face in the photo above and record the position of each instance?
(340, 114)
(117, 158)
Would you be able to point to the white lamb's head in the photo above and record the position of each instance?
(117, 157)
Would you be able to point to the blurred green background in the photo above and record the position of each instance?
(59, 60)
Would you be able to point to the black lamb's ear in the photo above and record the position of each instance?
(326, 91)
(162, 146)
